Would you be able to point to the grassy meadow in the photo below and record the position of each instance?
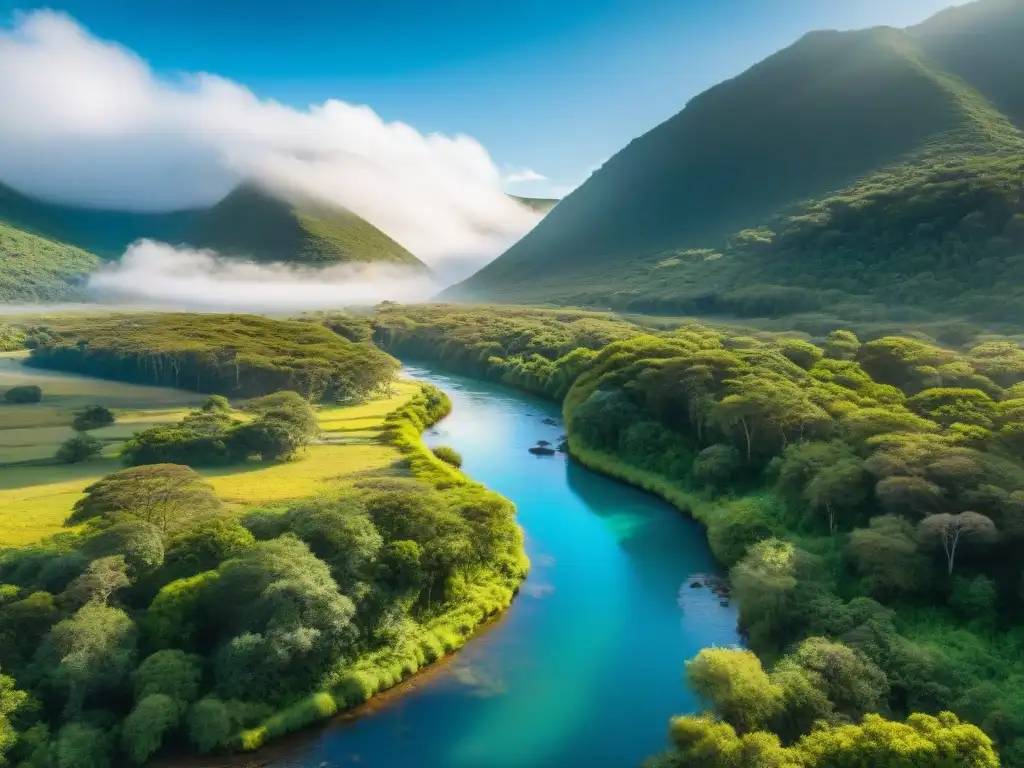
(36, 498)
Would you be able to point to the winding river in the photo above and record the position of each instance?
(586, 667)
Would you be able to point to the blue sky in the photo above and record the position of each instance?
(556, 86)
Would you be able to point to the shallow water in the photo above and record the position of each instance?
(586, 667)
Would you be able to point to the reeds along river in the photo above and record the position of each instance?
(586, 667)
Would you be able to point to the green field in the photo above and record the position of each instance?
(37, 499)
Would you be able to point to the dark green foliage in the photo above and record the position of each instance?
(739, 204)
(165, 495)
(165, 619)
(869, 472)
(25, 393)
(92, 417)
(284, 424)
(236, 355)
(78, 448)
(448, 455)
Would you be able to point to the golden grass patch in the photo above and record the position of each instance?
(35, 500)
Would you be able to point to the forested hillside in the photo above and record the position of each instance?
(849, 171)
(253, 223)
(47, 248)
(234, 355)
(866, 496)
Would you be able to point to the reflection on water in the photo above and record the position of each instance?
(586, 667)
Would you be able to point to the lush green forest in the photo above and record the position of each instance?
(162, 620)
(866, 496)
(742, 204)
(234, 355)
(37, 269)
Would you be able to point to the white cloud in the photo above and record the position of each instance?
(88, 122)
(524, 175)
(158, 275)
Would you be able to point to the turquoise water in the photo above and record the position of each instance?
(585, 668)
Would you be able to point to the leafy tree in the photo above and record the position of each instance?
(10, 700)
(974, 598)
(948, 531)
(209, 725)
(841, 345)
(101, 580)
(716, 465)
(734, 683)
(216, 403)
(23, 394)
(90, 651)
(78, 448)
(911, 496)
(206, 544)
(144, 729)
(837, 488)
(92, 417)
(400, 565)
(82, 745)
(735, 527)
(138, 544)
(854, 684)
(887, 557)
(171, 673)
(165, 495)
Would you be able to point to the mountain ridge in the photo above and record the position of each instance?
(838, 121)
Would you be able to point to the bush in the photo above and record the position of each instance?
(92, 417)
(78, 448)
(26, 393)
(448, 455)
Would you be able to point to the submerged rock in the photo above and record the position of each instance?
(696, 585)
(549, 421)
(542, 450)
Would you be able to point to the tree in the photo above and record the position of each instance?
(716, 465)
(139, 545)
(10, 699)
(922, 741)
(837, 488)
(165, 495)
(735, 685)
(92, 417)
(948, 531)
(886, 555)
(103, 577)
(853, 683)
(841, 345)
(78, 448)
(216, 403)
(82, 745)
(92, 650)
(171, 673)
(209, 725)
(143, 731)
(907, 494)
(23, 394)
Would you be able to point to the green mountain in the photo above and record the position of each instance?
(47, 249)
(254, 223)
(33, 268)
(848, 173)
(102, 232)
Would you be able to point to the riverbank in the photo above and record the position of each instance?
(355, 683)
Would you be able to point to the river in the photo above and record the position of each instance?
(586, 667)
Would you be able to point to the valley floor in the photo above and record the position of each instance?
(36, 497)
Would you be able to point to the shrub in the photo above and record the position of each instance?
(25, 393)
(92, 417)
(78, 448)
(448, 455)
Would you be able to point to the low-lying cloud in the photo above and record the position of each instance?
(158, 275)
(88, 122)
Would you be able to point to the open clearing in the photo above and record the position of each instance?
(35, 500)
